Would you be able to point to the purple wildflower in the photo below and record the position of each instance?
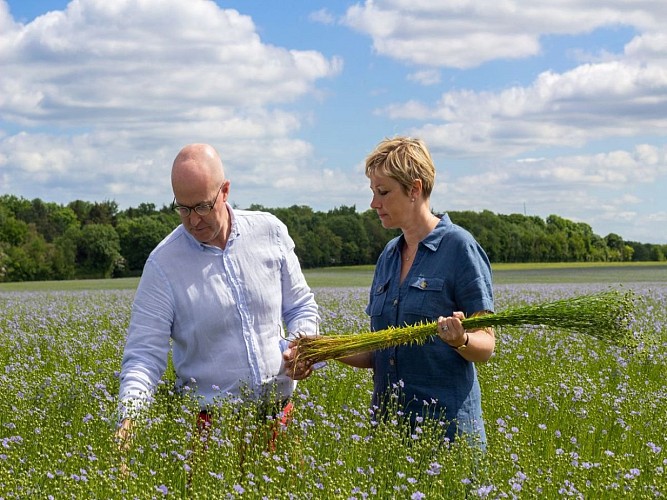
(484, 491)
(654, 447)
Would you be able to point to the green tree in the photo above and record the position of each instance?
(14, 205)
(49, 219)
(142, 209)
(29, 261)
(81, 209)
(598, 249)
(98, 251)
(658, 253)
(138, 237)
(64, 262)
(61, 219)
(616, 247)
(322, 248)
(345, 223)
(12, 231)
(103, 213)
(4, 261)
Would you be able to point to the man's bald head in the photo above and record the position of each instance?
(197, 165)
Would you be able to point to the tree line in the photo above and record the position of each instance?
(48, 241)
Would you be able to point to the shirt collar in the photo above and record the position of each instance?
(435, 237)
(235, 231)
(432, 240)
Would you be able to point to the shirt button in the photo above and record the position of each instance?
(392, 361)
(395, 302)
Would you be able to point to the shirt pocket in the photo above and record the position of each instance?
(377, 300)
(426, 299)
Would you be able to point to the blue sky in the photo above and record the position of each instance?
(528, 106)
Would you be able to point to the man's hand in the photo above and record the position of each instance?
(123, 438)
(123, 435)
(295, 368)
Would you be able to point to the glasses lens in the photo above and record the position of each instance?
(182, 211)
(203, 209)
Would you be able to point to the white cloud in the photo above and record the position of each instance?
(467, 33)
(90, 166)
(104, 59)
(425, 77)
(590, 102)
(322, 16)
(604, 190)
(117, 81)
(658, 217)
(611, 95)
(647, 47)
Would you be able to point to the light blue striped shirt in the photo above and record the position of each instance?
(221, 311)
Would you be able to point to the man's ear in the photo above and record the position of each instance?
(225, 189)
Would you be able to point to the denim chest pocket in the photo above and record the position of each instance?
(426, 297)
(378, 298)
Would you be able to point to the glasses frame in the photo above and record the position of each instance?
(202, 209)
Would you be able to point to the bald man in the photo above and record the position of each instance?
(216, 291)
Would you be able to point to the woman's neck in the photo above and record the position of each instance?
(418, 230)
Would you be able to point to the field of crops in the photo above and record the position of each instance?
(566, 415)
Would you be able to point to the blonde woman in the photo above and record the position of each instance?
(433, 271)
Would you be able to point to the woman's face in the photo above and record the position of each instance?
(390, 202)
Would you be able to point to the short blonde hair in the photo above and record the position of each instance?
(403, 159)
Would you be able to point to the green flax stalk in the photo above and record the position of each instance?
(605, 316)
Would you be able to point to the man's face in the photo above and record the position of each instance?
(203, 211)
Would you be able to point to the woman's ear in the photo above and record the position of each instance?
(416, 189)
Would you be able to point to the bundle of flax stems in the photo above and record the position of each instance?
(604, 315)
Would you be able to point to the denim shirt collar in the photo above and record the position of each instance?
(432, 240)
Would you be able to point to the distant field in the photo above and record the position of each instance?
(598, 272)
(45, 286)
(361, 276)
(642, 272)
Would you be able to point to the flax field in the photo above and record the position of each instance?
(567, 416)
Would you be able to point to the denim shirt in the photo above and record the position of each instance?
(450, 272)
(221, 311)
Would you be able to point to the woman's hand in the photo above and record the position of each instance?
(475, 345)
(451, 331)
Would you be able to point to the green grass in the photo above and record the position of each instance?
(566, 272)
(362, 276)
(593, 272)
(340, 276)
(71, 285)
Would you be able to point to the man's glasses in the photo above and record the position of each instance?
(203, 209)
